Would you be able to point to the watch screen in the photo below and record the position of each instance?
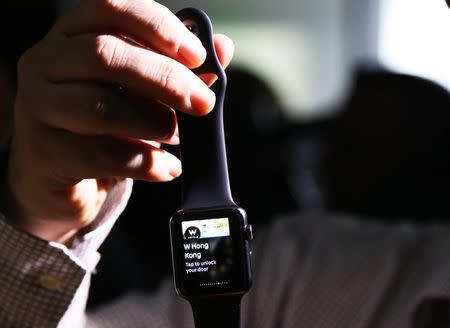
(208, 251)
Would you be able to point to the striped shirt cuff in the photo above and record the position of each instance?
(38, 279)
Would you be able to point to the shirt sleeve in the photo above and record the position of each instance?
(45, 284)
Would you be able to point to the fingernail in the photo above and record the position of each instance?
(173, 166)
(192, 51)
(202, 99)
(174, 140)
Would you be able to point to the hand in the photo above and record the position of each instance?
(95, 99)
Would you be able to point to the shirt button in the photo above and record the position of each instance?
(51, 282)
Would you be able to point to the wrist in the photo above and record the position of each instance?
(17, 216)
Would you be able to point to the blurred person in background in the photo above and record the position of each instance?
(312, 270)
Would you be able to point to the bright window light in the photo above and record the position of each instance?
(277, 53)
(414, 38)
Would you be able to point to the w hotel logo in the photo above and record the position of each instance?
(192, 233)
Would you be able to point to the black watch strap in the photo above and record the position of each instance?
(205, 179)
(217, 312)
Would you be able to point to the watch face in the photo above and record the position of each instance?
(210, 252)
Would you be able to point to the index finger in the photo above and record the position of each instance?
(145, 21)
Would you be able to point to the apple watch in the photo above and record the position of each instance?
(210, 235)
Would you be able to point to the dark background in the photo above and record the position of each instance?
(381, 152)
